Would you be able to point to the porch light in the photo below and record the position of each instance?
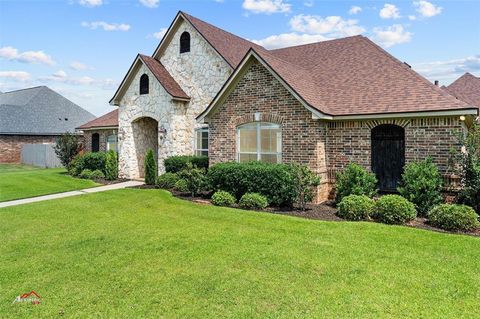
(462, 118)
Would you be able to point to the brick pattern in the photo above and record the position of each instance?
(103, 134)
(11, 145)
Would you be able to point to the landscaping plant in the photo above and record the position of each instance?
(422, 185)
(181, 186)
(167, 180)
(453, 217)
(304, 182)
(356, 207)
(86, 174)
(253, 201)
(394, 209)
(67, 147)
(175, 164)
(97, 174)
(194, 177)
(150, 168)
(222, 198)
(111, 166)
(90, 160)
(355, 180)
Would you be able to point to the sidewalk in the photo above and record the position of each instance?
(69, 194)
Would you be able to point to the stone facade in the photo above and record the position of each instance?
(11, 145)
(103, 134)
(200, 72)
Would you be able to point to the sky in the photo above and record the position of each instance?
(83, 48)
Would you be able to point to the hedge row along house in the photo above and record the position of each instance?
(207, 91)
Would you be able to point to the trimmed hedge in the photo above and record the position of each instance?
(97, 174)
(355, 180)
(356, 207)
(453, 217)
(175, 164)
(394, 209)
(167, 180)
(275, 181)
(222, 198)
(253, 201)
(181, 186)
(90, 160)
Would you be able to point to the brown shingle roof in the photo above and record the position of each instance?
(108, 120)
(165, 79)
(466, 88)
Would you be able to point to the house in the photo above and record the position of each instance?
(101, 134)
(35, 115)
(323, 104)
(466, 88)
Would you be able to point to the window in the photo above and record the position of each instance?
(201, 142)
(259, 142)
(185, 42)
(144, 84)
(112, 143)
(95, 142)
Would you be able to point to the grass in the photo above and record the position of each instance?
(22, 181)
(143, 253)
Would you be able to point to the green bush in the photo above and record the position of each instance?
(274, 181)
(167, 180)
(253, 201)
(304, 181)
(67, 147)
(422, 185)
(97, 174)
(90, 160)
(111, 166)
(453, 217)
(195, 178)
(86, 174)
(470, 193)
(222, 198)
(394, 209)
(150, 168)
(356, 207)
(181, 186)
(175, 164)
(355, 180)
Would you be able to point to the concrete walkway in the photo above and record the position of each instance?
(69, 194)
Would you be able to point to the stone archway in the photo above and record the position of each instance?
(145, 137)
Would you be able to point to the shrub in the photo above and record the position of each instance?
(222, 198)
(181, 186)
(195, 178)
(253, 201)
(97, 174)
(150, 168)
(422, 185)
(86, 174)
(111, 166)
(274, 181)
(356, 207)
(394, 209)
(175, 164)
(91, 161)
(304, 181)
(453, 217)
(355, 180)
(67, 147)
(167, 180)
(470, 194)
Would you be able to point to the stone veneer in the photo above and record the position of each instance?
(200, 72)
(11, 145)
(103, 134)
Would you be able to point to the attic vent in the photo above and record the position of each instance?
(407, 64)
(66, 119)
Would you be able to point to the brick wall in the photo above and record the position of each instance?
(11, 145)
(103, 134)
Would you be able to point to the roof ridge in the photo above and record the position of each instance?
(317, 42)
(25, 89)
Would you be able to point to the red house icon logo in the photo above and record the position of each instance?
(29, 297)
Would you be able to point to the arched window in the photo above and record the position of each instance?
(185, 42)
(144, 84)
(259, 141)
(95, 142)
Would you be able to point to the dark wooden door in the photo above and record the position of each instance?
(95, 142)
(388, 155)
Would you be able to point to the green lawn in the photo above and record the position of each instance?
(22, 181)
(142, 253)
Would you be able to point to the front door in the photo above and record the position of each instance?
(388, 155)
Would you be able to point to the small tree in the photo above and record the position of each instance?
(111, 166)
(67, 147)
(150, 168)
(305, 180)
(194, 177)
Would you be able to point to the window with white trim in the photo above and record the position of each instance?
(259, 141)
(201, 141)
(112, 142)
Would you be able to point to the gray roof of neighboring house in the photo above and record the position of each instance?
(39, 111)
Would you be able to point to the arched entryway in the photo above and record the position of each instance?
(388, 155)
(145, 137)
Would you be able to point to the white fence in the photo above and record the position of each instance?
(42, 155)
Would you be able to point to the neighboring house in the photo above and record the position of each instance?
(101, 134)
(324, 105)
(466, 88)
(35, 115)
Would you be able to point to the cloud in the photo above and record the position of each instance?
(150, 3)
(412, 17)
(389, 11)
(391, 35)
(427, 9)
(21, 76)
(354, 10)
(60, 74)
(106, 26)
(62, 77)
(12, 54)
(309, 3)
(266, 6)
(289, 39)
(91, 3)
(159, 35)
(448, 70)
(79, 66)
(332, 26)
